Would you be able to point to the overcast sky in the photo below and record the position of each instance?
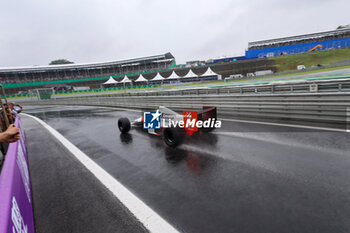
(35, 32)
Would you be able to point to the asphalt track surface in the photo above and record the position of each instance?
(243, 177)
(66, 196)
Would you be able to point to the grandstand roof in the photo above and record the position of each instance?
(163, 57)
(300, 37)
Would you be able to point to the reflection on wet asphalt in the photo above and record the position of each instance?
(241, 178)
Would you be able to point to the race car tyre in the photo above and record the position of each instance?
(172, 137)
(124, 125)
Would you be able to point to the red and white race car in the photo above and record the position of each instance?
(175, 126)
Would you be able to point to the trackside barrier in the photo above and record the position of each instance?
(16, 210)
(308, 102)
(327, 108)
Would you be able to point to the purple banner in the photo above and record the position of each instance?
(16, 210)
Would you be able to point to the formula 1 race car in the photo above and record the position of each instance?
(172, 126)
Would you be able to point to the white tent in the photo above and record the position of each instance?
(126, 80)
(141, 79)
(111, 80)
(209, 72)
(158, 78)
(190, 74)
(173, 75)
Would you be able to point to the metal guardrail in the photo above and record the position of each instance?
(330, 108)
(262, 87)
(325, 103)
(278, 87)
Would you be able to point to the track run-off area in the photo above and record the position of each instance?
(244, 177)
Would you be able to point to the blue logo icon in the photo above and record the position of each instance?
(151, 120)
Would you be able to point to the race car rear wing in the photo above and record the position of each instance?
(208, 112)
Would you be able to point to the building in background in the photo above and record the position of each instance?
(339, 38)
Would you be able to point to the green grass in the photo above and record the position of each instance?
(290, 62)
(297, 73)
(266, 77)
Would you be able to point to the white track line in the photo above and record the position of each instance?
(288, 125)
(148, 217)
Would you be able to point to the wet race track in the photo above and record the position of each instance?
(243, 177)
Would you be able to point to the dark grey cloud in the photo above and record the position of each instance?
(36, 32)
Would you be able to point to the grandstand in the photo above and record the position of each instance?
(56, 76)
(225, 60)
(299, 44)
